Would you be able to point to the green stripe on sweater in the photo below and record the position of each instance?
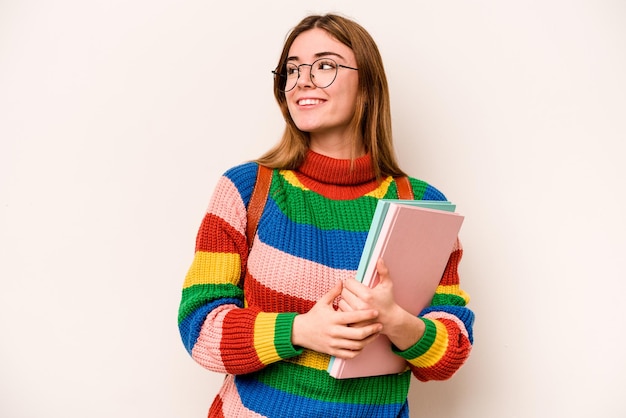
(301, 380)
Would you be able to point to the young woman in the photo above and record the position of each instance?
(269, 314)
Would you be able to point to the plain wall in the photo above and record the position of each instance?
(117, 118)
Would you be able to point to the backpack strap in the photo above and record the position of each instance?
(405, 190)
(257, 200)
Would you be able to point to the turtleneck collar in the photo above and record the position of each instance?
(337, 178)
(339, 172)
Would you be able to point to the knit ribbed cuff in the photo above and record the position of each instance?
(282, 336)
(422, 345)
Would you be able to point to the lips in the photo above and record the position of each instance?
(309, 102)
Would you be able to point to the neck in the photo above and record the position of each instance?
(339, 146)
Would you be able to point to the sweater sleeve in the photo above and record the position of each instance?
(218, 329)
(448, 339)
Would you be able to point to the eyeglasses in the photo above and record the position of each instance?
(323, 73)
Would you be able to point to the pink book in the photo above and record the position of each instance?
(415, 243)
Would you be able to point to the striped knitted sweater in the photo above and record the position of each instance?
(237, 309)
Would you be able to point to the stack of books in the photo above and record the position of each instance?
(415, 239)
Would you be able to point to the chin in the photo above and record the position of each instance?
(309, 127)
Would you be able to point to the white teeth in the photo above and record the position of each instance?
(305, 102)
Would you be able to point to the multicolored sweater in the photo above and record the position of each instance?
(237, 308)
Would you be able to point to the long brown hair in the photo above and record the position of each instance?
(372, 118)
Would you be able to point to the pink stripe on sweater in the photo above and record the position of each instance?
(279, 271)
(206, 350)
(227, 204)
(232, 406)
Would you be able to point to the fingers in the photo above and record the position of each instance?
(343, 305)
(381, 268)
(355, 317)
(356, 296)
(384, 278)
(329, 297)
(350, 348)
(359, 334)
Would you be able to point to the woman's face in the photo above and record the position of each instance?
(323, 112)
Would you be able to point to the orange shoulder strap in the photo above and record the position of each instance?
(257, 200)
(405, 190)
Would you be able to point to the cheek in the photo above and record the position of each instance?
(347, 94)
(348, 104)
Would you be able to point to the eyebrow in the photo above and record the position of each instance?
(318, 55)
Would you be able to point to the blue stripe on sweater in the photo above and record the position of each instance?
(271, 402)
(332, 248)
(243, 177)
(190, 327)
(431, 193)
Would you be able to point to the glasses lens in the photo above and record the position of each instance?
(323, 72)
(290, 76)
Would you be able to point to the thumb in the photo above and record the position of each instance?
(382, 270)
(332, 294)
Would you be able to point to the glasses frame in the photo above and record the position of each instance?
(284, 77)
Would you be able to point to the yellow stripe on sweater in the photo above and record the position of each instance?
(264, 328)
(381, 190)
(378, 192)
(224, 268)
(291, 178)
(453, 290)
(311, 359)
(437, 350)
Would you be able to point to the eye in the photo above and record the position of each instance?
(291, 70)
(325, 65)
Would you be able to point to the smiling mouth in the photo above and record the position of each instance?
(308, 102)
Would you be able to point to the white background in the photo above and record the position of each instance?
(117, 118)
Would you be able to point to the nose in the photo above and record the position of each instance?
(305, 78)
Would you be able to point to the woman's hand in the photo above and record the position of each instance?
(341, 334)
(402, 328)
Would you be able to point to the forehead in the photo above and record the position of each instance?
(317, 42)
